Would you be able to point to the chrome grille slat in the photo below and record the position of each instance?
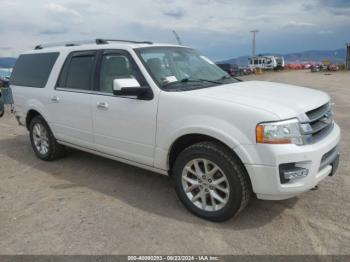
(320, 123)
(318, 126)
(318, 113)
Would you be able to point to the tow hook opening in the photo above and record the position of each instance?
(314, 188)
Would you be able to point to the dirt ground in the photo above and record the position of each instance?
(85, 204)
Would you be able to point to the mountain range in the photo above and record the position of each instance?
(7, 62)
(336, 56)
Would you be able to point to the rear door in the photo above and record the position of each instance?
(70, 101)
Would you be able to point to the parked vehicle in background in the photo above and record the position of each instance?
(266, 62)
(245, 70)
(280, 63)
(316, 68)
(2, 106)
(324, 68)
(4, 82)
(294, 66)
(169, 109)
(332, 67)
(232, 70)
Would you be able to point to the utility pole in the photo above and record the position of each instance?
(177, 37)
(254, 32)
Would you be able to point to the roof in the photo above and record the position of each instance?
(95, 45)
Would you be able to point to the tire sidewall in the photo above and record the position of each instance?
(235, 197)
(40, 120)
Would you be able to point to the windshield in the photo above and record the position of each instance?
(179, 68)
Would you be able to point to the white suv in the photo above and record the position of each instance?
(169, 109)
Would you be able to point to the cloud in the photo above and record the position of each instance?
(220, 28)
(334, 7)
(62, 13)
(54, 31)
(175, 13)
(335, 3)
(325, 32)
(295, 24)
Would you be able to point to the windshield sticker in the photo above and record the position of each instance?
(207, 60)
(170, 79)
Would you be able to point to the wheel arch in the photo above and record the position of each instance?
(187, 140)
(31, 114)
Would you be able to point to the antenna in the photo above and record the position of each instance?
(177, 37)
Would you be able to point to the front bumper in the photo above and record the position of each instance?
(264, 161)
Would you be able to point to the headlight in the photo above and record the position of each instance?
(283, 132)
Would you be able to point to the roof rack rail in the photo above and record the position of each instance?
(72, 43)
(98, 41)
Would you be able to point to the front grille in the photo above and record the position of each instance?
(320, 122)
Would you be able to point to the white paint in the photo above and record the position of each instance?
(142, 132)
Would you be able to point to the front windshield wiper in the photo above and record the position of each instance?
(200, 80)
(225, 77)
(188, 79)
(229, 77)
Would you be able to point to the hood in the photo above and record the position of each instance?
(283, 100)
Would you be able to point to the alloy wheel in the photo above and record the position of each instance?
(205, 184)
(40, 138)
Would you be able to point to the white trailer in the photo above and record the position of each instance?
(266, 62)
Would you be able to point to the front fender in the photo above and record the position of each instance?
(219, 129)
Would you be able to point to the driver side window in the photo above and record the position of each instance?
(112, 67)
(117, 66)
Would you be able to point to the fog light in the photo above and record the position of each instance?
(291, 172)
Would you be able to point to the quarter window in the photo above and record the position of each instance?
(33, 70)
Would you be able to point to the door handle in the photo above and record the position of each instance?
(55, 99)
(102, 105)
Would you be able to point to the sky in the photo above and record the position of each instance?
(218, 28)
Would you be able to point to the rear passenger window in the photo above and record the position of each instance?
(33, 70)
(77, 72)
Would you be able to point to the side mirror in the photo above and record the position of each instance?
(128, 87)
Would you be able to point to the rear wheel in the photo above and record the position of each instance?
(43, 142)
(211, 182)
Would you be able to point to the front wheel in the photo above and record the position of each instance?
(211, 182)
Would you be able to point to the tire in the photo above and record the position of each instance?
(234, 192)
(44, 139)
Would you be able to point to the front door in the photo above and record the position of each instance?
(123, 126)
